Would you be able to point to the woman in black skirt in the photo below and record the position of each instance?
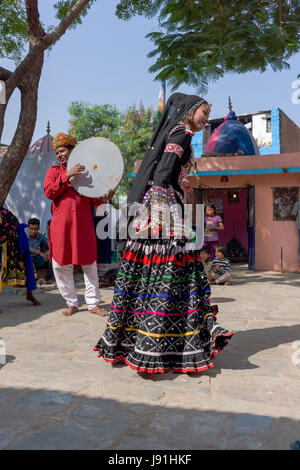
(161, 318)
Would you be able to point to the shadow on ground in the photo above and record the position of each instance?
(17, 310)
(5, 359)
(245, 344)
(220, 300)
(40, 419)
(242, 275)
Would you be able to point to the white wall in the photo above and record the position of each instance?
(26, 197)
(259, 125)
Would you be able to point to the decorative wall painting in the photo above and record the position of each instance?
(284, 199)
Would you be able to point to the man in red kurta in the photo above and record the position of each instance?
(72, 238)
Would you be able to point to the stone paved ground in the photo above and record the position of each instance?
(56, 394)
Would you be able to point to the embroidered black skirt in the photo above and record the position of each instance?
(161, 318)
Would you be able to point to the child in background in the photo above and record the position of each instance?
(212, 225)
(220, 270)
(207, 264)
(47, 229)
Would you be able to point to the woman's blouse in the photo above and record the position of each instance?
(211, 235)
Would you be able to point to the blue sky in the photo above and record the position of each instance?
(104, 60)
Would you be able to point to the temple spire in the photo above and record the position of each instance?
(229, 104)
(48, 128)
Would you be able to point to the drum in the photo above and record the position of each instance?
(104, 167)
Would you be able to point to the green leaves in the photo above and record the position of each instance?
(14, 25)
(134, 137)
(91, 121)
(126, 9)
(63, 6)
(130, 131)
(199, 41)
(13, 29)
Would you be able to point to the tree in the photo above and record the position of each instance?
(199, 40)
(94, 120)
(130, 131)
(24, 39)
(134, 138)
(20, 23)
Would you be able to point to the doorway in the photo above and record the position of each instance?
(236, 207)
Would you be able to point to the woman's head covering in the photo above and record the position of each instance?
(62, 140)
(178, 107)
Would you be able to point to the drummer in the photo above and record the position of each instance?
(72, 238)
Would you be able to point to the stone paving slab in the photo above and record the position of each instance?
(56, 394)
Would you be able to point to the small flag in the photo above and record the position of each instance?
(161, 99)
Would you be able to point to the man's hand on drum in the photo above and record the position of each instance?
(75, 170)
(107, 196)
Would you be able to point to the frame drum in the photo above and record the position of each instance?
(104, 167)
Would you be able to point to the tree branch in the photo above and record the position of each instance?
(19, 146)
(4, 74)
(59, 31)
(33, 17)
(46, 41)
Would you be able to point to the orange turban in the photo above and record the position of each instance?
(62, 140)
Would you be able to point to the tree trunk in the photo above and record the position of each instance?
(26, 77)
(18, 149)
(9, 92)
(2, 114)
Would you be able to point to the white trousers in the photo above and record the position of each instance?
(64, 277)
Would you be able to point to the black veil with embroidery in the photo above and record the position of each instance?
(177, 108)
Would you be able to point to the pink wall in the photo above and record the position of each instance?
(284, 160)
(235, 218)
(270, 236)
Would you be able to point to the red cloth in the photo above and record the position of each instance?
(72, 238)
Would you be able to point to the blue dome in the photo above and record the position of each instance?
(232, 137)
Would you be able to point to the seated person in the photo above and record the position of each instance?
(205, 253)
(220, 270)
(47, 230)
(38, 245)
(16, 268)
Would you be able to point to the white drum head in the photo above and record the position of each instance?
(104, 167)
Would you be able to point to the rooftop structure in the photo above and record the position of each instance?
(273, 131)
(43, 145)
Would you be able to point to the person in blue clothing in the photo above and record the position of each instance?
(38, 245)
(16, 268)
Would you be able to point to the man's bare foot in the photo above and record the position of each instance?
(50, 281)
(99, 311)
(32, 299)
(213, 283)
(227, 283)
(70, 311)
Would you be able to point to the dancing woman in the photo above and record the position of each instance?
(160, 317)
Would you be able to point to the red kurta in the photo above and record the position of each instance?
(72, 238)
